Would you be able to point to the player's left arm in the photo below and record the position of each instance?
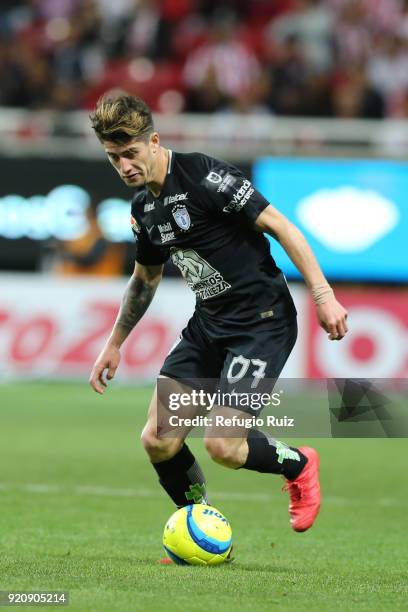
(331, 314)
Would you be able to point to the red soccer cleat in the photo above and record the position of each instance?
(304, 492)
(165, 561)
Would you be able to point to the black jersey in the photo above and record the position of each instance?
(204, 220)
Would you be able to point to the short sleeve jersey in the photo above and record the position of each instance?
(204, 221)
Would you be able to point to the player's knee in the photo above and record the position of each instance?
(222, 451)
(158, 450)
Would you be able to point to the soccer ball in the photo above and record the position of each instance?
(197, 535)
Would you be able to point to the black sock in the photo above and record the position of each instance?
(271, 456)
(181, 477)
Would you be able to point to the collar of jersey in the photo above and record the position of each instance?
(170, 165)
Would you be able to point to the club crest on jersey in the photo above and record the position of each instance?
(181, 217)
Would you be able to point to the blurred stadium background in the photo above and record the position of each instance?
(310, 99)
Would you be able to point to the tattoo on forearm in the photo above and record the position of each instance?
(135, 302)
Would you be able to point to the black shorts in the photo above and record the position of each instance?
(248, 360)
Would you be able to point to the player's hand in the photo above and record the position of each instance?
(108, 360)
(333, 318)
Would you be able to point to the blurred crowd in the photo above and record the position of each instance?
(342, 58)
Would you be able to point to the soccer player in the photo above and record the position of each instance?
(206, 216)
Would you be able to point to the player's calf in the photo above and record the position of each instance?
(179, 473)
(229, 452)
(159, 449)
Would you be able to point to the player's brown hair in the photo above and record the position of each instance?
(121, 117)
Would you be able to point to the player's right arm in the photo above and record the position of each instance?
(136, 300)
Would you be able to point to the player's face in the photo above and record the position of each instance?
(134, 161)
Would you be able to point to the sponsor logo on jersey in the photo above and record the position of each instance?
(240, 198)
(165, 227)
(166, 232)
(149, 207)
(175, 198)
(227, 182)
(134, 224)
(181, 217)
(167, 237)
(201, 277)
(214, 177)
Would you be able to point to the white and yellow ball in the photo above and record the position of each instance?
(197, 535)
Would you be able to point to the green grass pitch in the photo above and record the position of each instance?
(81, 511)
